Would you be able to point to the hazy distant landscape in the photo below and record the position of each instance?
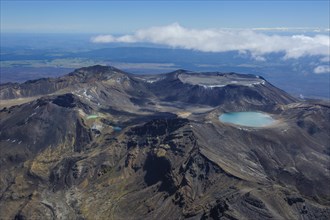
(55, 55)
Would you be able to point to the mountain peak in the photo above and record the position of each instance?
(99, 68)
(102, 133)
(97, 71)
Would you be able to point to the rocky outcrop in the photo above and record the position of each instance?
(110, 145)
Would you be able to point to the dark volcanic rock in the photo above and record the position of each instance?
(66, 100)
(104, 144)
(160, 127)
(218, 211)
(45, 122)
(46, 86)
(258, 93)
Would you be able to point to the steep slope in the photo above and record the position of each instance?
(50, 85)
(218, 89)
(97, 83)
(111, 145)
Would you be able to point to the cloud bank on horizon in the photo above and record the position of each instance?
(222, 40)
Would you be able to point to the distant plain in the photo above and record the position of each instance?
(55, 55)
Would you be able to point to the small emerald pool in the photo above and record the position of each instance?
(116, 128)
(92, 116)
(250, 119)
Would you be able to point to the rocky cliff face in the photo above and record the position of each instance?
(111, 145)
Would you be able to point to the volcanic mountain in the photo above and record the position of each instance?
(100, 143)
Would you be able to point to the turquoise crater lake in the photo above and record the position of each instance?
(250, 119)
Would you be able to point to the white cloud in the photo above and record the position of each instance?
(322, 69)
(103, 39)
(221, 40)
(325, 59)
(258, 57)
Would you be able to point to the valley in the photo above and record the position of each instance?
(102, 143)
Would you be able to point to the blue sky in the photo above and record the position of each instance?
(118, 17)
